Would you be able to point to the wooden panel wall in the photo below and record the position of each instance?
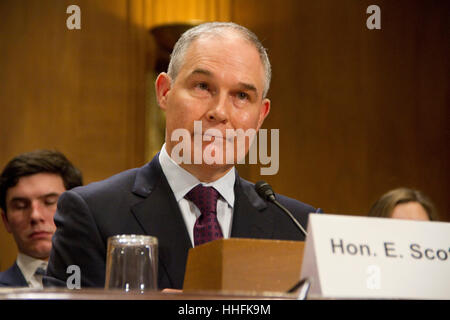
(78, 91)
(360, 112)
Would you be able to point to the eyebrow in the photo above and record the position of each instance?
(202, 71)
(51, 194)
(246, 86)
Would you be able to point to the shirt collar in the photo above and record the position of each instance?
(181, 181)
(28, 265)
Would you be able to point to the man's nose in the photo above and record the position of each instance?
(219, 110)
(37, 212)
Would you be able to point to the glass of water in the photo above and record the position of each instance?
(132, 263)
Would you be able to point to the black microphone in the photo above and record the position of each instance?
(265, 191)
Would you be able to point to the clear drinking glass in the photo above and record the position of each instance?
(132, 263)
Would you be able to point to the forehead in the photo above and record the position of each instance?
(410, 210)
(36, 185)
(228, 53)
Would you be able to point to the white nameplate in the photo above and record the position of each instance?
(361, 257)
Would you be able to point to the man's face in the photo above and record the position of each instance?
(220, 84)
(30, 207)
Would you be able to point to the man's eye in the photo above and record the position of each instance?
(242, 96)
(202, 86)
(50, 201)
(20, 205)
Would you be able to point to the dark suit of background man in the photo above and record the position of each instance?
(30, 185)
(219, 75)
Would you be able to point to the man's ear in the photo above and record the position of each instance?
(264, 111)
(5, 221)
(162, 86)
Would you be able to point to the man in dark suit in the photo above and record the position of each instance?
(30, 186)
(218, 78)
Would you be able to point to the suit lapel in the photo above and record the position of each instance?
(19, 276)
(13, 277)
(250, 219)
(159, 216)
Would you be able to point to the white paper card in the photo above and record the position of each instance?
(362, 257)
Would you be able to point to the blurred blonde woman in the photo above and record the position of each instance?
(404, 203)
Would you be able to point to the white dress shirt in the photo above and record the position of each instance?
(28, 266)
(181, 182)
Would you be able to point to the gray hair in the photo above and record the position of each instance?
(215, 28)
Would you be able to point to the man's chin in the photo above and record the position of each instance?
(217, 156)
(40, 250)
(211, 166)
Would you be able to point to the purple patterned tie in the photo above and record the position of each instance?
(207, 226)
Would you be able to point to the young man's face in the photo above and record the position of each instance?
(30, 207)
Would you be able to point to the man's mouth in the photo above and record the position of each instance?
(39, 235)
(209, 137)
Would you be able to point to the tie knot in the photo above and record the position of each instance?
(40, 271)
(205, 198)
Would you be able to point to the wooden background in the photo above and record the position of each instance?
(359, 111)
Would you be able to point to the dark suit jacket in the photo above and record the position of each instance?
(13, 277)
(140, 201)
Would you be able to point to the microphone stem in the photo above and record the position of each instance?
(291, 216)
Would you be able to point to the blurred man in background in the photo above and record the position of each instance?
(30, 186)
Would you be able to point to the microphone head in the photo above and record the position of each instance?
(265, 190)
